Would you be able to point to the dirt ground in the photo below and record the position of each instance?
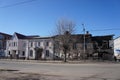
(16, 75)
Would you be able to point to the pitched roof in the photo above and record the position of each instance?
(5, 34)
(104, 37)
(20, 36)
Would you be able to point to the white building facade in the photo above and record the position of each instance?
(25, 47)
(117, 46)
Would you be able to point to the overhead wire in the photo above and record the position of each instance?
(106, 29)
(15, 4)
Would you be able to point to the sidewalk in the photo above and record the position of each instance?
(60, 61)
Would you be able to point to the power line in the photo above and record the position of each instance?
(11, 5)
(105, 29)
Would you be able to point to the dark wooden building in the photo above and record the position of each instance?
(80, 48)
(101, 46)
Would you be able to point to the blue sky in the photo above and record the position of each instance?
(39, 17)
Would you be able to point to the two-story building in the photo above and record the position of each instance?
(79, 47)
(103, 46)
(29, 47)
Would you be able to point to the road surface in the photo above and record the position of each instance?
(87, 71)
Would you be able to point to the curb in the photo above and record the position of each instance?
(59, 62)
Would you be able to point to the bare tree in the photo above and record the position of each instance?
(64, 25)
(64, 30)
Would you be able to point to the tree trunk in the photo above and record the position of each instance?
(65, 58)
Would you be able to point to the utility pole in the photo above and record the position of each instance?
(84, 40)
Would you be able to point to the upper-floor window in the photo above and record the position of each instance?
(14, 44)
(35, 44)
(9, 44)
(0, 44)
(31, 44)
(24, 44)
(57, 44)
(47, 43)
(105, 45)
(74, 46)
(39, 43)
(1, 36)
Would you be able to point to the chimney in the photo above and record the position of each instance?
(87, 32)
(67, 32)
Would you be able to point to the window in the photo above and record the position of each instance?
(39, 43)
(24, 44)
(14, 43)
(1, 44)
(47, 43)
(31, 44)
(57, 45)
(74, 46)
(1, 37)
(95, 45)
(23, 53)
(18, 51)
(47, 53)
(35, 44)
(31, 53)
(85, 45)
(9, 53)
(9, 44)
(105, 45)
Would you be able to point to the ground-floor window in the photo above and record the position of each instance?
(9, 53)
(23, 53)
(31, 53)
(47, 53)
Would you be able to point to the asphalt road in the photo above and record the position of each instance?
(87, 71)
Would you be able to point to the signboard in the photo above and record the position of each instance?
(117, 51)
